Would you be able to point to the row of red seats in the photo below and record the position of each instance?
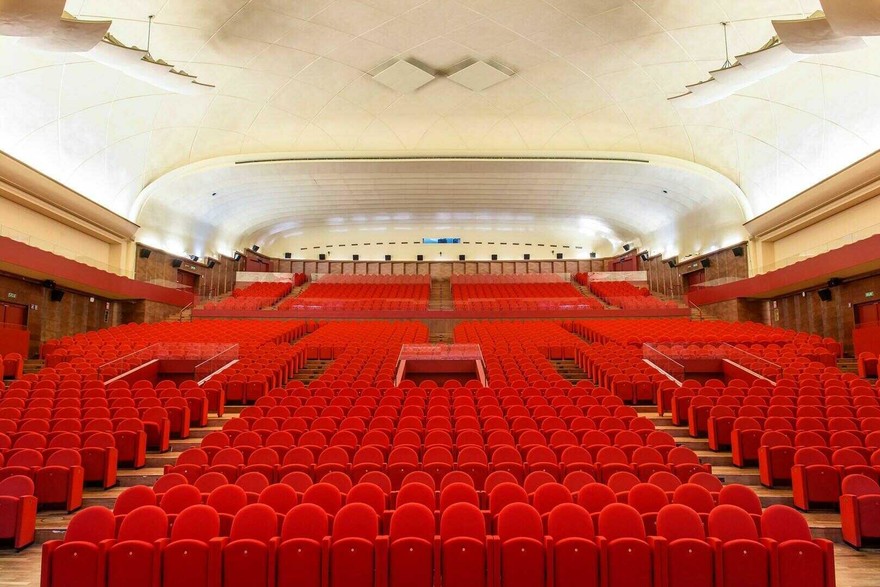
(867, 364)
(361, 296)
(58, 481)
(522, 551)
(627, 296)
(97, 451)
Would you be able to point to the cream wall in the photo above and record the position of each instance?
(862, 220)
(23, 224)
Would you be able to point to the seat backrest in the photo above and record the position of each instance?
(782, 523)
(197, 522)
(695, 497)
(18, 486)
(26, 457)
(647, 498)
(728, 522)
(462, 520)
(676, 521)
(228, 499)
(568, 520)
(504, 494)
(416, 493)
(306, 520)
(369, 494)
(665, 480)
(132, 498)
(65, 457)
(520, 520)
(255, 522)
(707, 480)
(356, 520)
(458, 493)
(412, 520)
(618, 520)
(180, 497)
(741, 496)
(622, 481)
(93, 524)
(280, 497)
(595, 497)
(167, 481)
(810, 456)
(147, 523)
(325, 495)
(859, 485)
(252, 482)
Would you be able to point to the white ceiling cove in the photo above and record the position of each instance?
(294, 77)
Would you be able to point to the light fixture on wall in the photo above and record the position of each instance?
(255, 248)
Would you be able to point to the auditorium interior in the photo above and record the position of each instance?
(439, 293)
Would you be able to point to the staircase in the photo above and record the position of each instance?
(294, 293)
(585, 291)
(569, 370)
(848, 365)
(441, 295)
(313, 369)
(33, 365)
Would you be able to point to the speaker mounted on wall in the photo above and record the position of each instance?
(322, 257)
(56, 295)
(387, 257)
(288, 255)
(559, 256)
(355, 257)
(145, 253)
(255, 248)
(526, 257)
(592, 255)
(824, 294)
(461, 257)
(211, 263)
(494, 257)
(672, 263)
(176, 263)
(626, 247)
(834, 282)
(705, 263)
(644, 257)
(420, 257)
(738, 251)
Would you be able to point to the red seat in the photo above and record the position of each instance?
(354, 550)
(464, 548)
(249, 555)
(18, 510)
(60, 481)
(191, 557)
(133, 560)
(814, 482)
(78, 559)
(796, 558)
(521, 547)
(627, 558)
(683, 556)
(575, 551)
(860, 510)
(411, 549)
(740, 558)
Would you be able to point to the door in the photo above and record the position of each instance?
(868, 313)
(13, 314)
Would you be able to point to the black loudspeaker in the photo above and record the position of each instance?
(705, 263)
(355, 257)
(824, 295)
(461, 257)
(145, 253)
(49, 284)
(288, 255)
(559, 256)
(420, 257)
(236, 256)
(625, 247)
(738, 251)
(176, 263)
(56, 295)
(671, 263)
(387, 257)
(834, 282)
(322, 257)
(592, 255)
(255, 248)
(644, 257)
(526, 257)
(494, 257)
(211, 263)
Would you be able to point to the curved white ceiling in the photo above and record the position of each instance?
(594, 203)
(292, 77)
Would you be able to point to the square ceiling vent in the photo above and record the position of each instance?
(479, 75)
(404, 77)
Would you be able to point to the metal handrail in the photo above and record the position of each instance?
(697, 308)
(184, 309)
